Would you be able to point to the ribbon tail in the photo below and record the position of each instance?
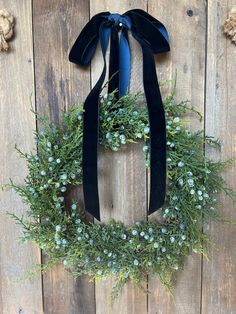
(124, 61)
(91, 137)
(113, 84)
(153, 38)
(157, 131)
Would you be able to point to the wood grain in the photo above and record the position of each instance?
(186, 24)
(122, 180)
(16, 127)
(219, 273)
(59, 84)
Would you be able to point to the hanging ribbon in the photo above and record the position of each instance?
(153, 38)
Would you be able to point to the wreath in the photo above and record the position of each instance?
(59, 227)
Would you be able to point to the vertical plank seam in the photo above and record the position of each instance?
(226, 66)
(147, 200)
(90, 85)
(36, 127)
(204, 132)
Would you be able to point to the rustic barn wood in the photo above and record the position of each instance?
(60, 84)
(16, 127)
(38, 65)
(218, 280)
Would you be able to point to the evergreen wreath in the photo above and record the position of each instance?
(100, 250)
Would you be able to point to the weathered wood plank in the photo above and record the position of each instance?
(219, 273)
(122, 181)
(186, 24)
(58, 85)
(16, 127)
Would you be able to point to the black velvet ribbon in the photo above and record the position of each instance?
(153, 38)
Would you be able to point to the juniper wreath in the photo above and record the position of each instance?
(59, 227)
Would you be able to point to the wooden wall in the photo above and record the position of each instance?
(38, 65)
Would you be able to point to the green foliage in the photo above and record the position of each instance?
(157, 247)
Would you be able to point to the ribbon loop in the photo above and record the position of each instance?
(153, 38)
(147, 28)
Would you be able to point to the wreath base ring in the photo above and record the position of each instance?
(153, 247)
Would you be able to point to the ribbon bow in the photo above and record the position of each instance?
(153, 38)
